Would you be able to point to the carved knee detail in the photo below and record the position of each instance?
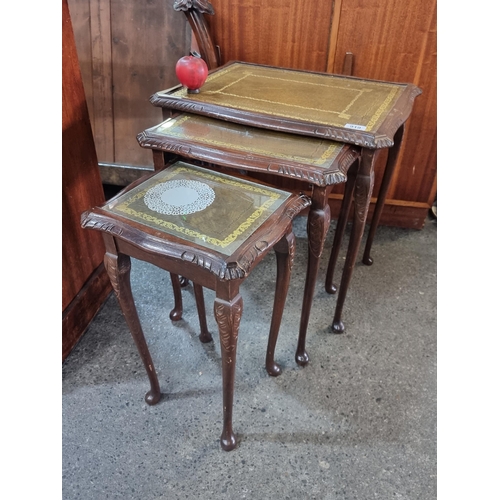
(317, 227)
(116, 266)
(228, 317)
(362, 195)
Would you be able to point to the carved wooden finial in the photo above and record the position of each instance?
(194, 11)
(203, 6)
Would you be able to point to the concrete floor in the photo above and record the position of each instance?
(359, 422)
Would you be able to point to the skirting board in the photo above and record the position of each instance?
(82, 309)
(395, 213)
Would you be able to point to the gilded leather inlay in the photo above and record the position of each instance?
(211, 132)
(315, 98)
(238, 209)
(383, 107)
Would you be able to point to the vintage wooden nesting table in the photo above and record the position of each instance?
(318, 162)
(172, 220)
(347, 117)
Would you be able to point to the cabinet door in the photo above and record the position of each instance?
(396, 41)
(127, 51)
(85, 282)
(391, 40)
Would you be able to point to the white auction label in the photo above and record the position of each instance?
(353, 126)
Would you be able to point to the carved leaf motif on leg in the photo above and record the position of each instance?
(347, 161)
(317, 227)
(228, 318)
(299, 205)
(362, 195)
(114, 267)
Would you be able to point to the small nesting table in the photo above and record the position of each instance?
(318, 163)
(211, 228)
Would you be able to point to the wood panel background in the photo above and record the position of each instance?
(135, 46)
(127, 51)
(390, 40)
(85, 281)
(292, 34)
(397, 41)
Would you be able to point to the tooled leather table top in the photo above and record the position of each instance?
(211, 209)
(338, 107)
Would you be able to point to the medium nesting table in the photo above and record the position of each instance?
(316, 162)
(370, 114)
(211, 228)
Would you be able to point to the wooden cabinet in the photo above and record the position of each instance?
(127, 51)
(396, 41)
(85, 282)
(292, 34)
(389, 40)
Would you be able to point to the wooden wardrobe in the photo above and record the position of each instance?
(85, 282)
(385, 40)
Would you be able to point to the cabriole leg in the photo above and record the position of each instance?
(318, 223)
(341, 225)
(285, 251)
(362, 194)
(382, 194)
(118, 268)
(176, 312)
(228, 316)
(202, 316)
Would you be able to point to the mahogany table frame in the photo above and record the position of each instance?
(125, 238)
(388, 134)
(322, 181)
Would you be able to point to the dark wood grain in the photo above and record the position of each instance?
(83, 308)
(397, 41)
(389, 40)
(292, 34)
(128, 50)
(195, 12)
(82, 251)
(102, 79)
(145, 45)
(80, 15)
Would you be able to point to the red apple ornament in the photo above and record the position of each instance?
(192, 71)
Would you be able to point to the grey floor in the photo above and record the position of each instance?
(359, 422)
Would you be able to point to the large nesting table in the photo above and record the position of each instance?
(367, 114)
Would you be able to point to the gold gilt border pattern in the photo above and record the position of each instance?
(342, 114)
(273, 196)
(395, 90)
(329, 154)
(381, 109)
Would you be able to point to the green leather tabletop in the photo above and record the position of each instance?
(319, 161)
(211, 209)
(278, 145)
(337, 101)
